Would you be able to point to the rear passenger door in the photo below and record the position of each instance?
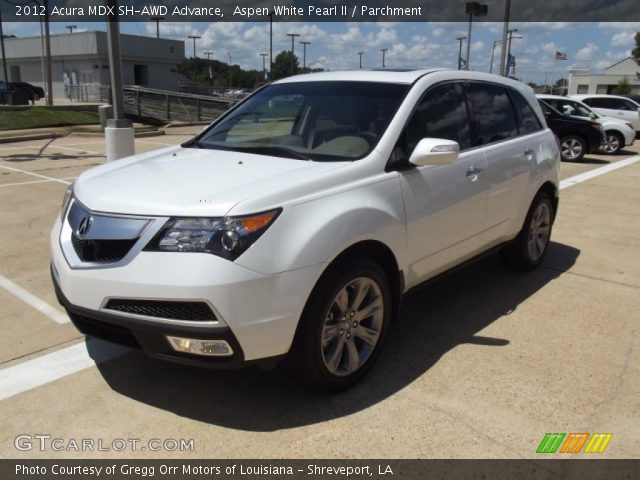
(445, 205)
(503, 126)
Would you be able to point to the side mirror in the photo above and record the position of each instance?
(435, 151)
(593, 116)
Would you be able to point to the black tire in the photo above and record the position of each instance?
(307, 356)
(35, 97)
(615, 142)
(573, 148)
(518, 255)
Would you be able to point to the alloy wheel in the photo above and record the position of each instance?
(352, 326)
(571, 148)
(539, 231)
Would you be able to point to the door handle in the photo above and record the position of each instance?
(474, 171)
(530, 154)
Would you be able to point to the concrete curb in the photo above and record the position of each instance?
(26, 138)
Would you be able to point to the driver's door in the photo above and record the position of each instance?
(445, 205)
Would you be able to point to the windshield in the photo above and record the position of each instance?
(569, 107)
(323, 121)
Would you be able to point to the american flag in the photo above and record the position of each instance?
(561, 56)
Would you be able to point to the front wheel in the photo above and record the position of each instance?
(343, 326)
(572, 148)
(613, 143)
(528, 249)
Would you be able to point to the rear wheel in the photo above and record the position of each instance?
(613, 143)
(343, 326)
(528, 249)
(572, 148)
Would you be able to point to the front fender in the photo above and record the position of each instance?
(317, 231)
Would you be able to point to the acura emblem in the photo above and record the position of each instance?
(85, 225)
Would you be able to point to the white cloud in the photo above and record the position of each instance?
(587, 53)
(623, 39)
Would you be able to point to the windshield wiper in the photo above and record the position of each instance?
(193, 144)
(276, 150)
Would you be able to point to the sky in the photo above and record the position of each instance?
(335, 46)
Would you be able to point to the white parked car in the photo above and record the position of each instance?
(294, 224)
(613, 106)
(618, 133)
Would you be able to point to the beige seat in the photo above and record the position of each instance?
(349, 146)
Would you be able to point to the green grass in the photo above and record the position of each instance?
(39, 117)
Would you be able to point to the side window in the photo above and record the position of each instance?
(627, 105)
(494, 119)
(602, 103)
(528, 122)
(442, 113)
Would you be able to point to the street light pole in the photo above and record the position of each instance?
(505, 30)
(460, 40)
(271, 46)
(157, 20)
(304, 54)
(264, 65)
(47, 44)
(360, 55)
(194, 38)
(119, 135)
(473, 9)
(208, 53)
(4, 55)
(510, 34)
(229, 68)
(293, 63)
(493, 51)
(384, 52)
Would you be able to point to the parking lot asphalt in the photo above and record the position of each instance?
(481, 363)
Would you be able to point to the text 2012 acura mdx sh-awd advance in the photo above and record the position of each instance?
(294, 223)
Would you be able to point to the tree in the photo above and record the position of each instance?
(623, 87)
(635, 53)
(282, 65)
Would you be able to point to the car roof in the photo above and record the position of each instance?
(406, 77)
(596, 95)
(362, 75)
(551, 97)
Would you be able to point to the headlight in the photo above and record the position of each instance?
(227, 237)
(68, 194)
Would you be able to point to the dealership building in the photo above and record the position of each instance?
(82, 59)
(583, 81)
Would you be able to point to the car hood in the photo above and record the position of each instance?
(189, 182)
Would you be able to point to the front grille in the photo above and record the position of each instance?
(101, 251)
(189, 311)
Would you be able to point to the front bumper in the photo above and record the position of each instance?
(151, 337)
(256, 314)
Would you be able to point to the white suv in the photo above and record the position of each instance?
(294, 224)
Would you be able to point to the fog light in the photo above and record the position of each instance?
(212, 348)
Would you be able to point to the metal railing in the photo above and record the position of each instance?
(166, 105)
(88, 93)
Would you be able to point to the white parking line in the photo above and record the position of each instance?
(156, 143)
(53, 366)
(75, 149)
(18, 170)
(17, 184)
(33, 301)
(596, 172)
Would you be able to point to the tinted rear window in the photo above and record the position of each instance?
(494, 119)
(527, 119)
